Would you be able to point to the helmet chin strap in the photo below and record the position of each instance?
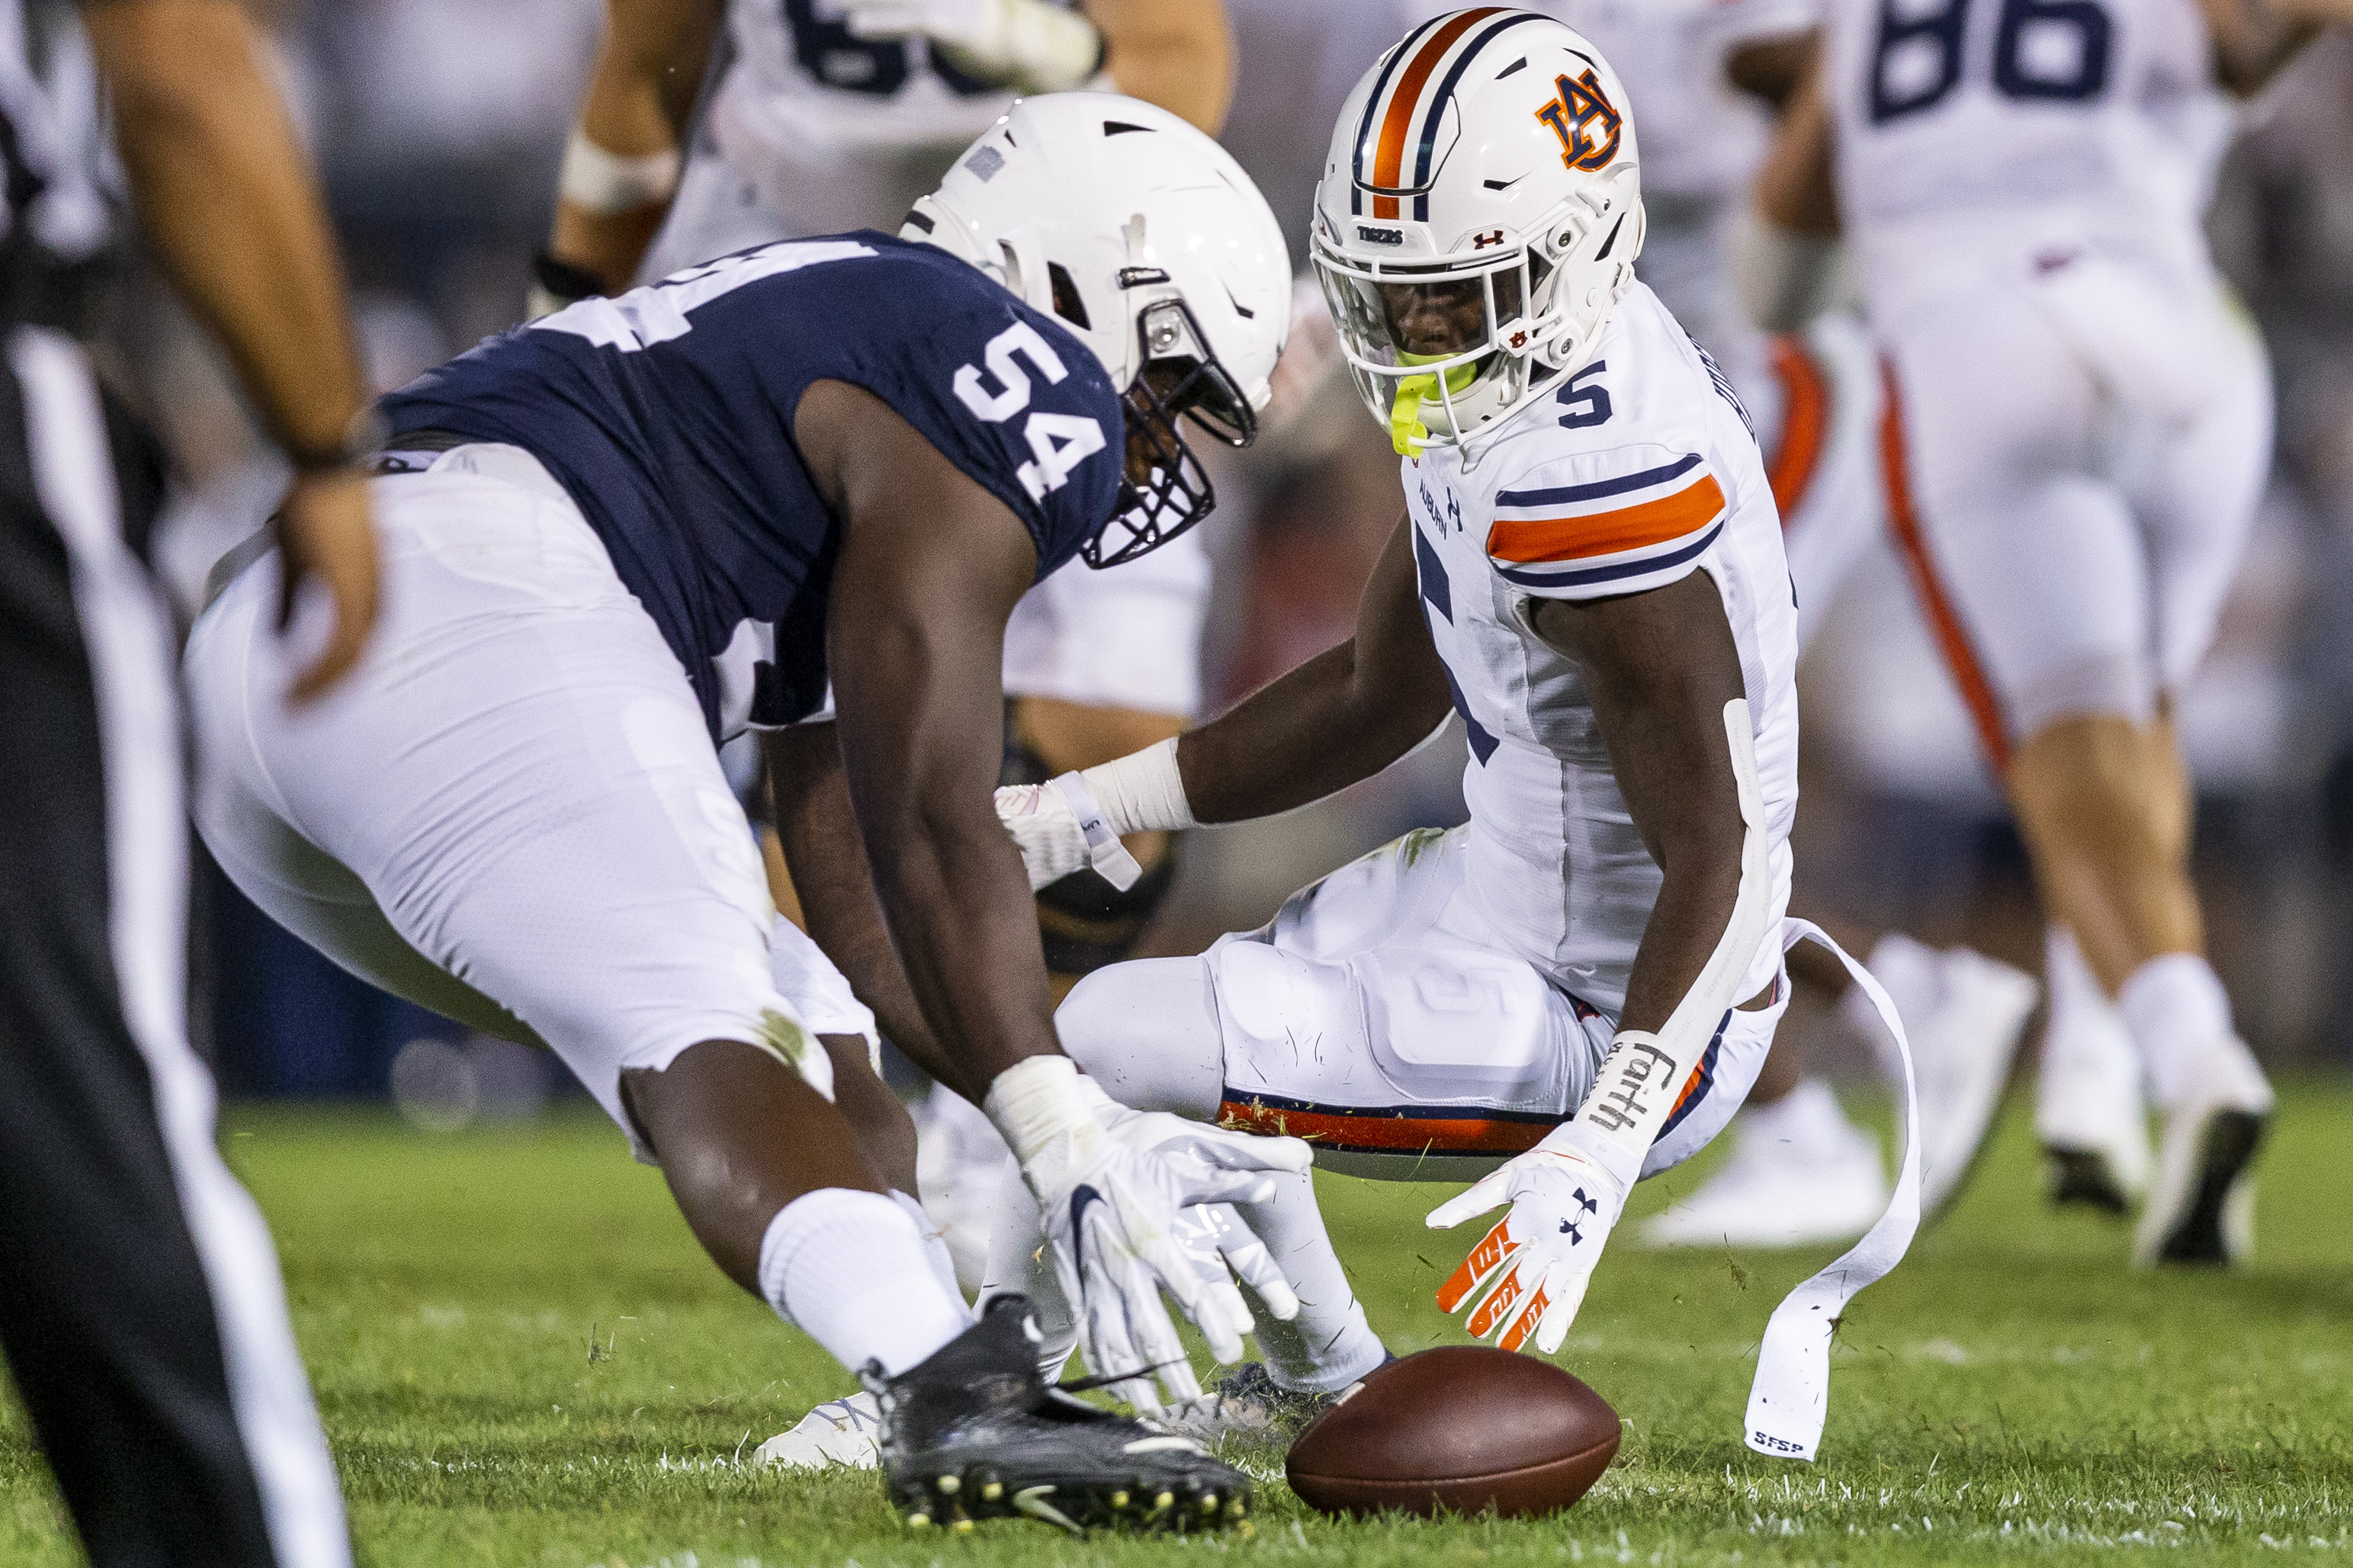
(1408, 433)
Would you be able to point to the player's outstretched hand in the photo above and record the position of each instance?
(1114, 1186)
(1224, 1249)
(1541, 1255)
(1060, 830)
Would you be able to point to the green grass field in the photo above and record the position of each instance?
(523, 1359)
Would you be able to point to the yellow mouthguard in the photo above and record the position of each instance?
(1408, 433)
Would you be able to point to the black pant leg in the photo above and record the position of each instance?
(107, 1313)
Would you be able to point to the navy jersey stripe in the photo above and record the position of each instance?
(1613, 573)
(1566, 494)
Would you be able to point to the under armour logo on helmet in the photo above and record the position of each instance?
(1585, 119)
(1481, 241)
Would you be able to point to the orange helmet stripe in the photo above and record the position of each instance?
(1389, 156)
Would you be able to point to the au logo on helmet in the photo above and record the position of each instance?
(1585, 122)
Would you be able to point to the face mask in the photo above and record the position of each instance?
(1408, 433)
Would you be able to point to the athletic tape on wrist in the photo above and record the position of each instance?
(1106, 853)
(1789, 1399)
(1036, 1101)
(1143, 791)
(604, 183)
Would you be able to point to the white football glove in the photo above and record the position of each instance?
(1030, 46)
(1223, 1249)
(1541, 1255)
(1111, 1187)
(1060, 830)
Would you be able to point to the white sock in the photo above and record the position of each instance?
(1328, 1345)
(935, 1244)
(852, 1271)
(2073, 988)
(1800, 1121)
(2178, 1014)
(1021, 1264)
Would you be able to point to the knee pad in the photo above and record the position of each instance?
(1148, 1032)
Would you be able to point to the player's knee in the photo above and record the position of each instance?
(2096, 785)
(1148, 1032)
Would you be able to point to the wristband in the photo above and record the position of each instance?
(1036, 1101)
(560, 283)
(359, 446)
(604, 184)
(1142, 792)
(1633, 1093)
(1106, 853)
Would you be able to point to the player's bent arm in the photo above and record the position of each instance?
(1663, 672)
(1178, 54)
(621, 168)
(227, 200)
(930, 568)
(818, 835)
(1795, 186)
(1659, 668)
(1341, 717)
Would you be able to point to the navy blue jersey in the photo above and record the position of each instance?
(667, 413)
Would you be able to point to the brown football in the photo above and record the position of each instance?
(1458, 1429)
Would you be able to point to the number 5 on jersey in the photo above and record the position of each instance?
(1058, 442)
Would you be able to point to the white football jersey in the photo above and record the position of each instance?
(806, 90)
(1638, 471)
(1969, 124)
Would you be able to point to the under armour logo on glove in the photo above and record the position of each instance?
(1533, 1278)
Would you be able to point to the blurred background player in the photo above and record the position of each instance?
(140, 1304)
(829, 115)
(2078, 428)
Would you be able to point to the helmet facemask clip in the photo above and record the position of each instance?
(1181, 379)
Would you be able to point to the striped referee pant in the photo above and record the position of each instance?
(141, 1307)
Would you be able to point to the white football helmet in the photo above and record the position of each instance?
(1477, 221)
(1145, 239)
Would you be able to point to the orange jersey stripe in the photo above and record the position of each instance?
(1389, 156)
(1952, 640)
(1402, 1134)
(1805, 419)
(1524, 541)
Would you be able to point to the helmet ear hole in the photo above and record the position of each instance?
(1068, 304)
(1010, 260)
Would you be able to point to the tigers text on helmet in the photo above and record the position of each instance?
(1477, 221)
(1145, 239)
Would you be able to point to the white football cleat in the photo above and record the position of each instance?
(960, 1164)
(2089, 1115)
(1800, 1174)
(2201, 1206)
(840, 1434)
(1964, 1015)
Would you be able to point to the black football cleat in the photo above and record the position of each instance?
(975, 1432)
